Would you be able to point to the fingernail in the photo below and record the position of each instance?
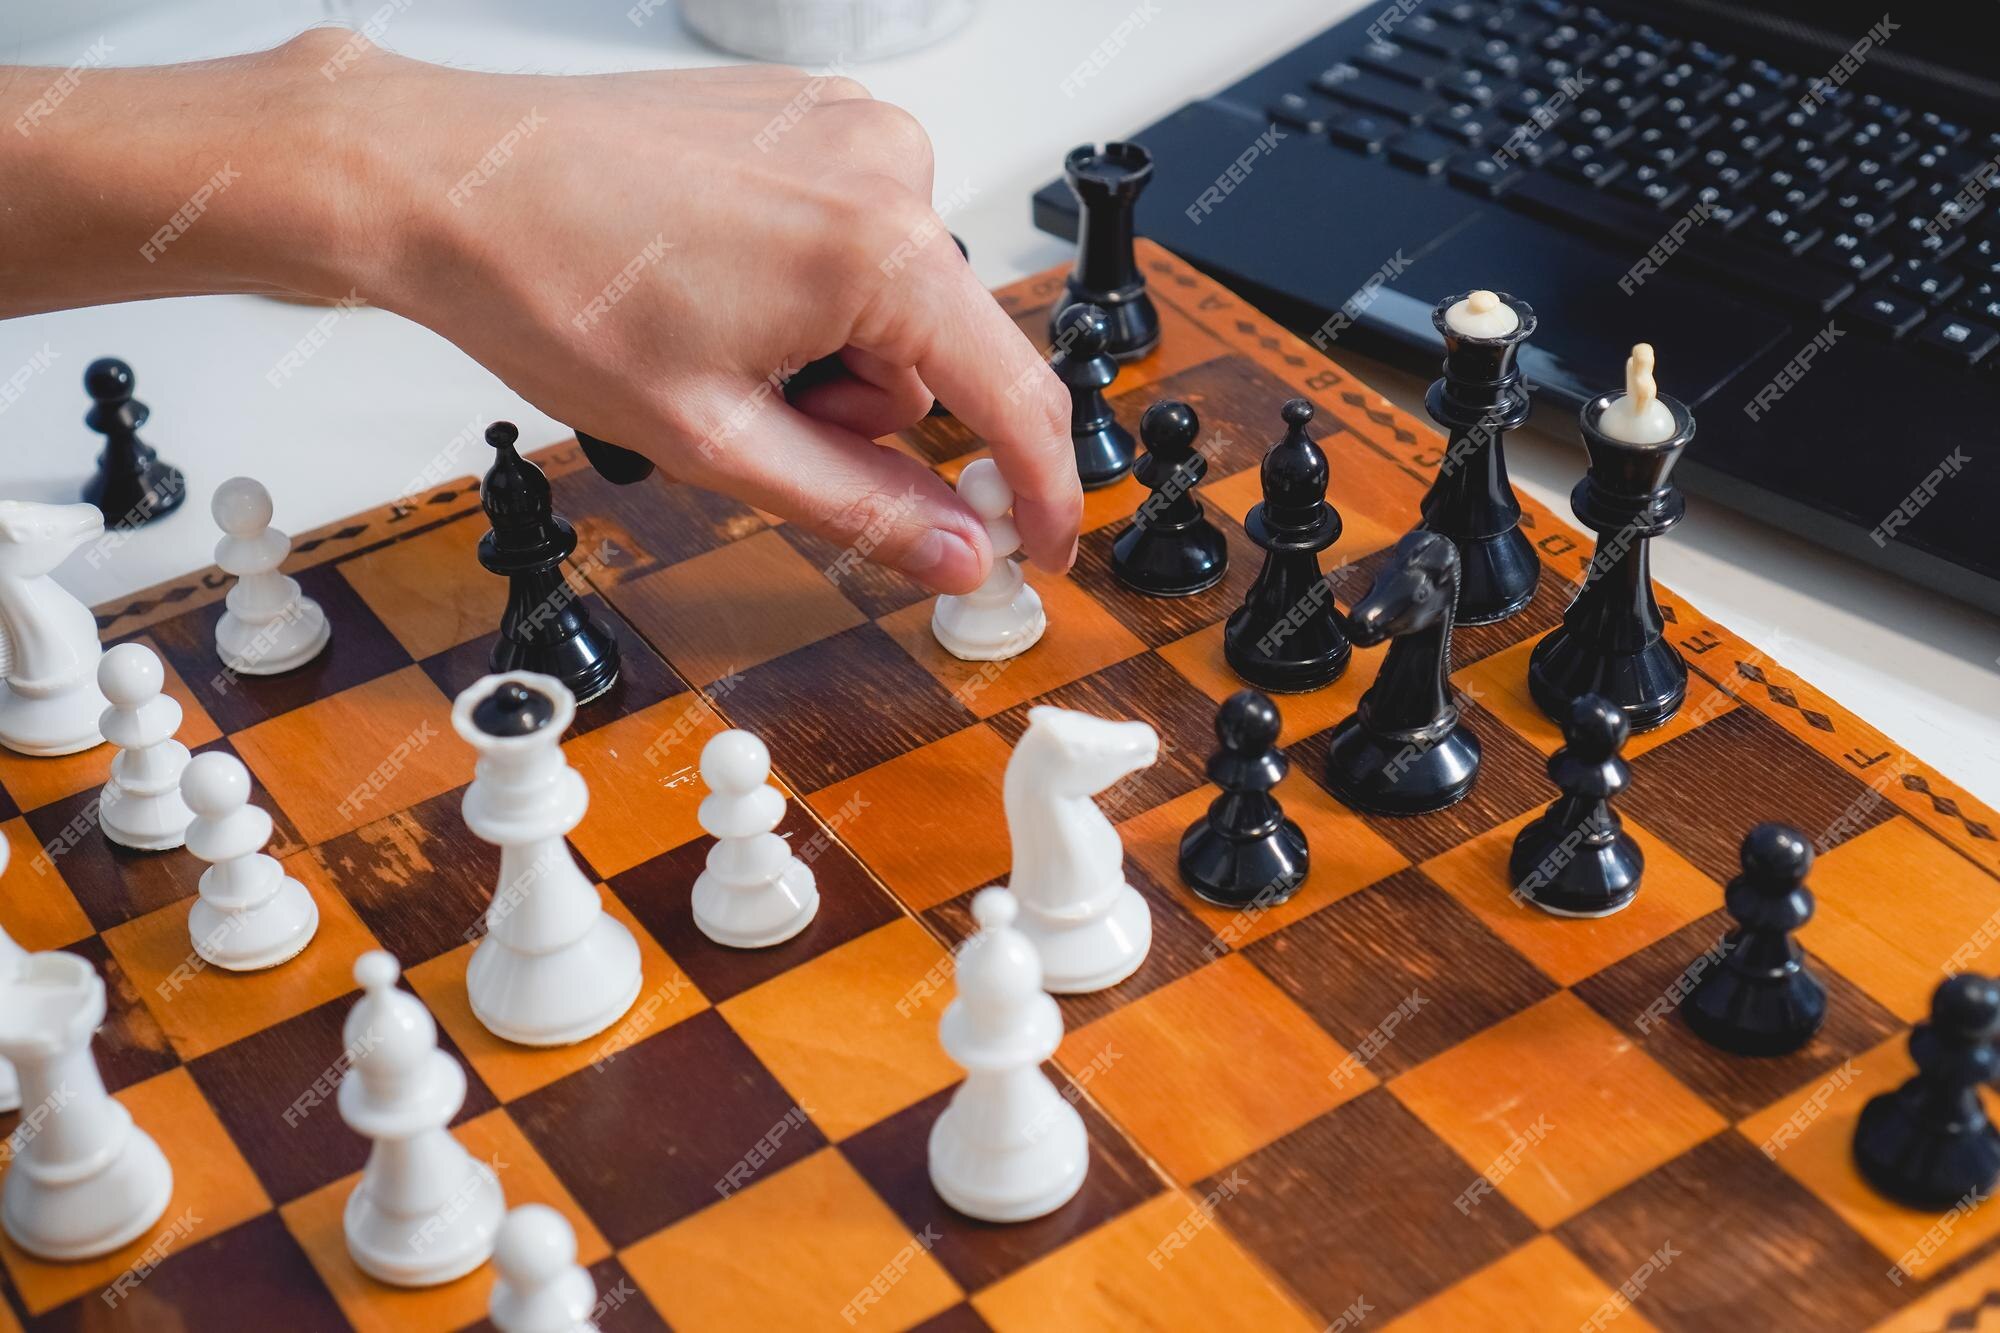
(939, 557)
(1070, 563)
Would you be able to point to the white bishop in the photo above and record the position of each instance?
(250, 914)
(141, 806)
(754, 892)
(1003, 616)
(539, 1286)
(270, 625)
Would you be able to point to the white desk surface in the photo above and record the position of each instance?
(381, 396)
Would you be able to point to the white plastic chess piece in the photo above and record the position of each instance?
(12, 959)
(1091, 928)
(539, 1287)
(85, 1180)
(1637, 416)
(554, 967)
(270, 625)
(754, 892)
(1003, 616)
(425, 1211)
(49, 700)
(141, 806)
(250, 914)
(1008, 1147)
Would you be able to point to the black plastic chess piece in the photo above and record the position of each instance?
(1930, 1144)
(1171, 549)
(1106, 182)
(1104, 448)
(1613, 639)
(513, 710)
(546, 627)
(1479, 398)
(614, 462)
(1576, 859)
(1405, 750)
(1760, 999)
(1287, 635)
(131, 486)
(1244, 852)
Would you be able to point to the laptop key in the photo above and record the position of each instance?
(1929, 282)
(1362, 132)
(1661, 192)
(1466, 124)
(1981, 300)
(1300, 112)
(1422, 152)
(1853, 255)
(1778, 229)
(1425, 33)
(1481, 174)
(1958, 340)
(1886, 312)
(1403, 65)
(1348, 83)
(1586, 164)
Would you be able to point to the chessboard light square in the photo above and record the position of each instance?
(315, 1221)
(430, 590)
(1199, 658)
(1082, 637)
(735, 607)
(38, 911)
(644, 775)
(666, 996)
(931, 822)
(352, 757)
(1539, 1286)
(1500, 682)
(1809, 1133)
(1264, 1067)
(1950, 1305)
(1671, 894)
(214, 1190)
(808, 1247)
(1152, 1267)
(1896, 910)
(203, 1008)
(1360, 534)
(835, 1033)
(1559, 1106)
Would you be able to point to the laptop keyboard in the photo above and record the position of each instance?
(1821, 198)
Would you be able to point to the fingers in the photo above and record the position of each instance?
(873, 399)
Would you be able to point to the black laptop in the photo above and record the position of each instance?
(1796, 201)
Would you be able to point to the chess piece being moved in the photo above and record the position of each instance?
(1171, 549)
(1930, 1144)
(49, 700)
(87, 1180)
(1008, 1147)
(1576, 859)
(1003, 616)
(754, 892)
(1612, 640)
(1107, 182)
(1103, 447)
(270, 626)
(12, 958)
(1760, 999)
(141, 806)
(1406, 750)
(538, 1285)
(546, 628)
(1479, 398)
(553, 967)
(1287, 636)
(425, 1211)
(131, 486)
(250, 914)
(1244, 852)
(1091, 928)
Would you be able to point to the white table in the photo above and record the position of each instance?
(381, 396)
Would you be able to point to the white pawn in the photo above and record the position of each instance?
(1003, 616)
(141, 806)
(754, 892)
(86, 1180)
(12, 959)
(49, 700)
(539, 1286)
(250, 914)
(270, 625)
(1009, 1146)
(425, 1211)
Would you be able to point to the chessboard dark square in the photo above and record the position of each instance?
(1543, 613)
(845, 704)
(649, 525)
(1647, 988)
(131, 1046)
(679, 1110)
(1787, 1262)
(959, 1318)
(418, 877)
(1355, 962)
(1238, 402)
(875, 588)
(621, 1307)
(891, 1156)
(939, 439)
(1380, 1188)
(1161, 620)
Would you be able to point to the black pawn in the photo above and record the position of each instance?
(1107, 182)
(1244, 852)
(1760, 999)
(1577, 859)
(1287, 635)
(132, 486)
(1104, 448)
(546, 627)
(1930, 1144)
(1171, 549)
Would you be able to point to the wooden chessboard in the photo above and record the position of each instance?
(1398, 1096)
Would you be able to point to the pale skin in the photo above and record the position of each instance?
(775, 217)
